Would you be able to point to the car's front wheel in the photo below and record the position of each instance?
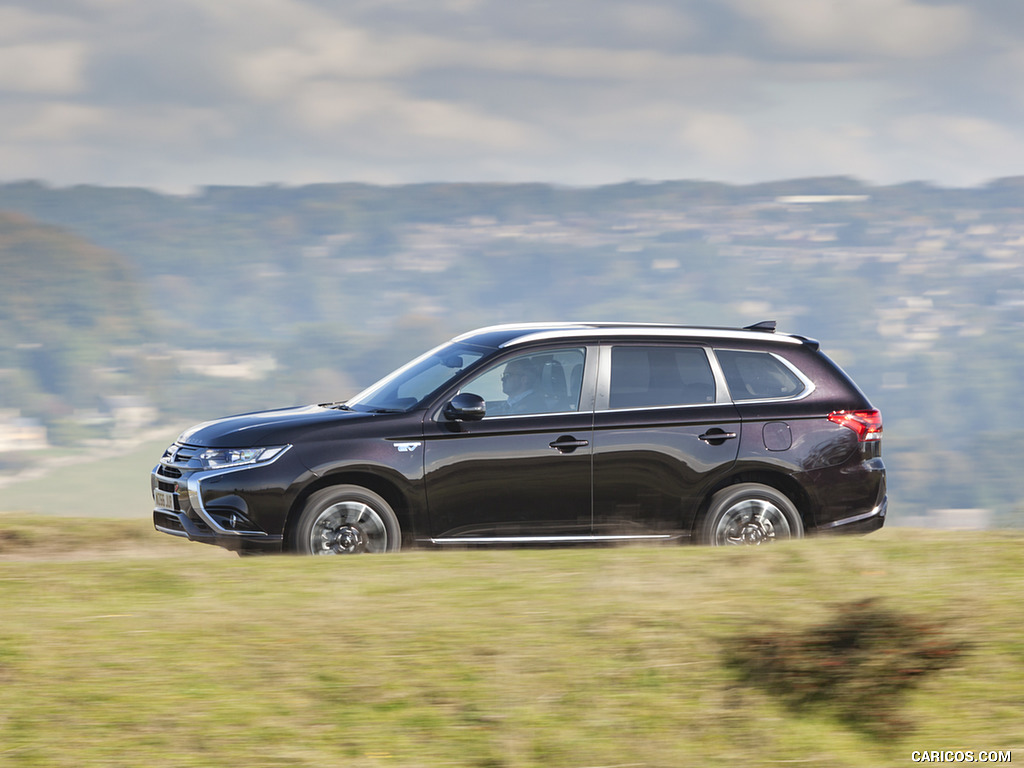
(347, 520)
(750, 514)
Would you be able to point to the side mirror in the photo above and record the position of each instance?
(466, 406)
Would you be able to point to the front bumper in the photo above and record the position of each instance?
(180, 524)
(184, 508)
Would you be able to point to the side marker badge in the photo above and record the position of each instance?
(407, 447)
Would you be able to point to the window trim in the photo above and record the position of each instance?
(588, 388)
(603, 398)
(807, 391)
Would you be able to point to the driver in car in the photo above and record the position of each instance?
(519, 382)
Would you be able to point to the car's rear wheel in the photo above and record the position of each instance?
(750, 514)
(347, 520)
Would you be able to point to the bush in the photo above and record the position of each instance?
(859, 665)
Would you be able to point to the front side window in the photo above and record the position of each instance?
(538, 382)
(758, 375)
(650, 377)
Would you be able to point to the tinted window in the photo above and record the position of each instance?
(758, 375)
(646, 377)
(540, 382)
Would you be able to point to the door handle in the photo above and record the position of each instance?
(568, 444)
(716, 436)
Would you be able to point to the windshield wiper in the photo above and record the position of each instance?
(347, 407)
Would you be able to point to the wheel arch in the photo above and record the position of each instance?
(379, 484)
(780, 481)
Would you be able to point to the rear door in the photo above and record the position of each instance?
(664, 431)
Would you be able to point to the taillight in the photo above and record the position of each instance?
(867, 424)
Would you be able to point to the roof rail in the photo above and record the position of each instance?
(768, 326)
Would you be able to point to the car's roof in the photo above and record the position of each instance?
(522, 333)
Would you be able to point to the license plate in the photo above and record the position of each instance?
(163, 498)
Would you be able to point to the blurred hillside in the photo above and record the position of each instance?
(123, 307)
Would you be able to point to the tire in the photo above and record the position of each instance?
(347, 520)
(750, 514)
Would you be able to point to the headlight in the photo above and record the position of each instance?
(215, 458)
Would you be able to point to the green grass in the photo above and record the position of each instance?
(115, 485)
(560, 657)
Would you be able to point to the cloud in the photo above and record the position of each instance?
(378, 112)
(890, 28)
(333, 49)
(335, 52)
(582, 91)
(49, 122)
(42, 68)
(957, 142)
(720, 138)
(19, 24)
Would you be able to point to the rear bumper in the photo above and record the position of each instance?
(862, 523)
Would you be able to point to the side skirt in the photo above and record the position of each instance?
(546, 539)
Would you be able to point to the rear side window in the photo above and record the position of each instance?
(758, 375)
(648, 377)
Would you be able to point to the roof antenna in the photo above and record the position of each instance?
(768, 326)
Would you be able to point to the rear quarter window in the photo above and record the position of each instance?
(759, 375)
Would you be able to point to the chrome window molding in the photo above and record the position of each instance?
(637, 409)
(723, 395)
(495, 416)
(605, 372)
(807, 391)
(586, 404)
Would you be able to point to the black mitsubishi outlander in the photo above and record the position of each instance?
(546, 434)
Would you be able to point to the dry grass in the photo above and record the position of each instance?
(573, 657)
(32, 537)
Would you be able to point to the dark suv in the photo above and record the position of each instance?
(553, 433)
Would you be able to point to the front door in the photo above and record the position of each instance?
(522, 473)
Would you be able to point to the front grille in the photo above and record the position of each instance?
(184, 453)
(168, 489)
(176, 459)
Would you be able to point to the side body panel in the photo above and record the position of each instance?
(513, 476)
(651, 467)
(502, 478)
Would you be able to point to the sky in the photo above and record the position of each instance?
(179, 94)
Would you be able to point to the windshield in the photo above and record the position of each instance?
(411, 384)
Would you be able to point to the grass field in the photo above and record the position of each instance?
(135, 649)
(104, 482)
